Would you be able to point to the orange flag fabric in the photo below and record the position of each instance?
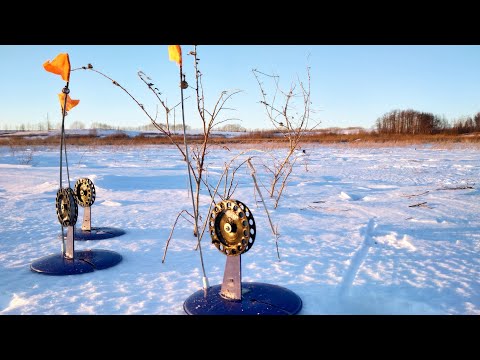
(175, 54)
(60, 66)
(70, 103)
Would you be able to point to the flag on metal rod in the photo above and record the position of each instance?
(175, 54)
(60, 66)
(70, 103)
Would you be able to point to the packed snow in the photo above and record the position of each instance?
(363, 230)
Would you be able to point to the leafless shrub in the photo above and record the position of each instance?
(290, 113)
(210, 119)
(23, 154)
(26, 157)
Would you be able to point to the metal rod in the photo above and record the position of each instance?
(61, 167)
(66, 162)
(70, 249)
(195, 213)
(62, 233)
(232, 279)
(62, 132)
(87, 219)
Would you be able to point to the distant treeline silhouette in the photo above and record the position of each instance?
(416, 122)
(103, 126)
(408, 122)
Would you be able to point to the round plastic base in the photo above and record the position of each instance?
(257, 299)
(84, 262)
(98, 233)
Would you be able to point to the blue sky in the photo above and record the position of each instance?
(351, 85)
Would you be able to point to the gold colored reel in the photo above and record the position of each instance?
(84, 192)
(67, 209)
(232, 227)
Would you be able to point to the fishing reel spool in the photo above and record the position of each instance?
(84, 192)
(66, 207)
(232, 227)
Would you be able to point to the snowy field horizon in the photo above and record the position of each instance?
(363, 230)
(154, 132)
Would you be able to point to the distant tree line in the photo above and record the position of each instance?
(40, 126)
(232, 128)
(417, 122)
(466, 125)
(394, 122)
(151, 127)
(103, 126)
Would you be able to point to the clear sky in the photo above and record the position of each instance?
(351, 85)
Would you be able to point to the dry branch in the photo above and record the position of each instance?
(422, 204)
(465, 187)
(171, 232)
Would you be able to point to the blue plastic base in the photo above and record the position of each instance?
(84, 262)
(59, 265)
(98, 233)
(257, 299)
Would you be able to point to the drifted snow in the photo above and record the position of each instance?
(350, 242)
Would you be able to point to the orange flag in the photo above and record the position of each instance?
(70, 103)
(175, 54)
(60, 66)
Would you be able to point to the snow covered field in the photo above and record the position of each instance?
(363, 231)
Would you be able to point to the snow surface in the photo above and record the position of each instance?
(352, 240)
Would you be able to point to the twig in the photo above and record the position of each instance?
(457, 188)
(252, 169)
(422, 204)
(210, 207)
(413, 195)
(171, 232)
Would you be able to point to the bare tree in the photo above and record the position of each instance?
(410, 122)
(464, 125)
(232, 128)
(77, 125)
(290, 114)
